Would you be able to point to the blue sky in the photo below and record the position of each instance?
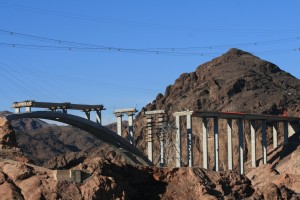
(120, 79)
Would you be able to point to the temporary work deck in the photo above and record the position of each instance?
(54, 106)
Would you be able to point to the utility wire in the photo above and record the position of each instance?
(89, 49)
(78, 46)
(74, 48)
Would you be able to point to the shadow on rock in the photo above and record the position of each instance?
(137, 183)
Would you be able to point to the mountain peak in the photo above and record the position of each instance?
(235, 51)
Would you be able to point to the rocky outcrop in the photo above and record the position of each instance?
(8, 144)
(118, 181)
(281, 176)
(7, 134)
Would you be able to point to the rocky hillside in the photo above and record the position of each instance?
(42, 141)
(237, 81)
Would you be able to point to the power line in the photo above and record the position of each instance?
(79, 46)
(111, 49)
(89, 49)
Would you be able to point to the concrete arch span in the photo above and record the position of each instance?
(106, 135)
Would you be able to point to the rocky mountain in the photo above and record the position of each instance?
(237, 81)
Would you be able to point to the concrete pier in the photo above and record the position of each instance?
(150, 138)
(189, 140)
(28, 109)
(130, 113)
(264, 141)
(161, 141)
(253, 144)
(178, 115)
(241, 145)
(150, 115)
(119, 123)
(229, 143)
(17, 110)
(216, 143)
(178, 142)
(130, 127)
(205, 143)
(275, 140)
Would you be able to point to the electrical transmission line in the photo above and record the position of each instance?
(184, 51)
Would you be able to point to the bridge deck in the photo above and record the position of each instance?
(50, 105)
(237, 115)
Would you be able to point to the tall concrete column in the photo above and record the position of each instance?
(216, 143)
(17, 110)
(264, 141)
(189, 140)
(98, 117)
(205, 143)
(241, 144)
(285, 132)
(229, 139)
(150, 115)
(161, 141)
(119, 123)
(87, 114)
(130, 127)
(178, 142)
(28, 109)
(149, 139)
(253, 144)
(275, 141)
